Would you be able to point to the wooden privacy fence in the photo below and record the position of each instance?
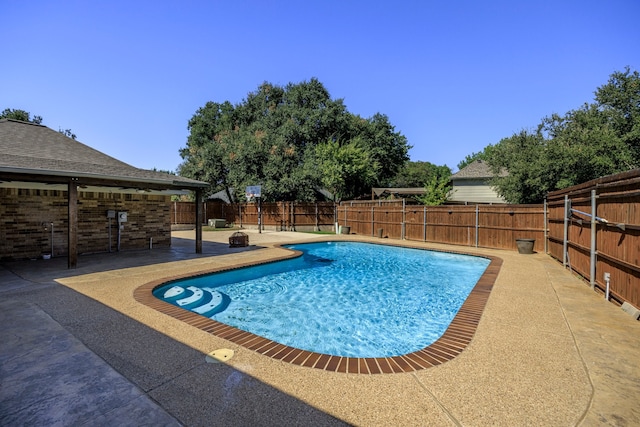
(275, 216)
(292, 216)
(594, 229)
(490, 226)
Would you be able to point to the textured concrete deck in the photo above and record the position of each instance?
(547, 351)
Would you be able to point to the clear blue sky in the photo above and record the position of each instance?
(452, 76)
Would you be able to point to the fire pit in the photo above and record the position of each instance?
(238, 240)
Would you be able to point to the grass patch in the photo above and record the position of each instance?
(207, 228)
(318, 232)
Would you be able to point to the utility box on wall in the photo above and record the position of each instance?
(122, 217)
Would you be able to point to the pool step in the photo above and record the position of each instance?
(173, 293)
(196, 297)
(204, 301)
(216, 300)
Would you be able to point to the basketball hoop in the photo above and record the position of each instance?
(252, 193)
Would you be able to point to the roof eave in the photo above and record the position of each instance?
(71, 174)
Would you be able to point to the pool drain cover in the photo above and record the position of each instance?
(220, 355)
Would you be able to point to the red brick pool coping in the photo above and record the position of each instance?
(454, 340)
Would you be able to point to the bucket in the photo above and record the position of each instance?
(525, 246)
(345, 230)
(380, 233)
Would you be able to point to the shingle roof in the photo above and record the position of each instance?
(409, 191)
(477, 169)
(38, 150)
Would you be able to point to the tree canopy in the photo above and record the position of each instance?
(592, 141)
(25, 116)
(293, 141)
(417, 174)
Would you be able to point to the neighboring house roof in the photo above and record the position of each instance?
(407, 191)
(35, 150)
(222, 195)
(471, 185)
(477, 169)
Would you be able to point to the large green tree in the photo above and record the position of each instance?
(271, 139)
(437, 190)
(523, 154)
(344, 169)
(619, 102)
(595, 140)
(417, 174)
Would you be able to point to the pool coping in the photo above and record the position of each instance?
(452, 342)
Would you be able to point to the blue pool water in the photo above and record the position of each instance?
(339, 298)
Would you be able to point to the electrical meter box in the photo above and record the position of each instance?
(122, 217)
(111, 214)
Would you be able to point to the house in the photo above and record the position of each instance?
(396, 193)
(223, 196)
(61, 197)
(470, 185)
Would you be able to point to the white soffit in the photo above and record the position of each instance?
(90, 188)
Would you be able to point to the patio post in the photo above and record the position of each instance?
(198, 202)
(72, 200)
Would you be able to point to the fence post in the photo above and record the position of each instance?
(372, 223)
(424, 224)
(317, 219)
(293, 217)
(594, 224)
(565, 238)
(240, 213)
(545, 226)
(403, 235)
(477, 226)
(345, 214)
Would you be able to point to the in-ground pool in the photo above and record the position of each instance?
(346, 299)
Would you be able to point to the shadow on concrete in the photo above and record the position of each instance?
(67, 359)
(46, 271)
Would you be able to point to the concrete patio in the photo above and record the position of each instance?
(77, 349)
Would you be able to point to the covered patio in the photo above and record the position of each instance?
(60, 196)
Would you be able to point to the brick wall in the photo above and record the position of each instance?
(26, 216)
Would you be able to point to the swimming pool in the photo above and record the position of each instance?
(346, 299)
